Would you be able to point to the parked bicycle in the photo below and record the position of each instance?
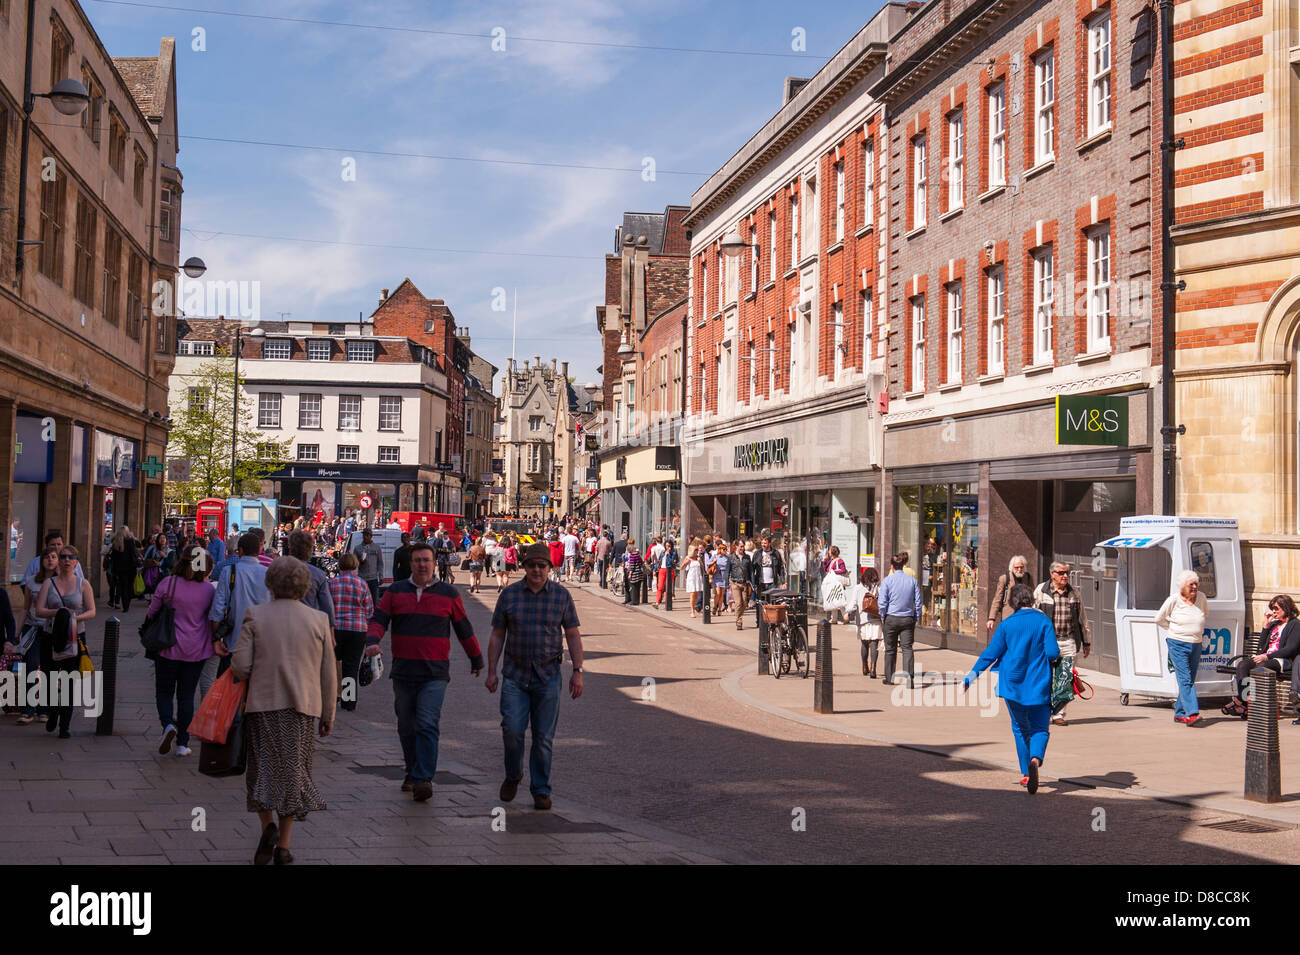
(787, 640)
(617, 580)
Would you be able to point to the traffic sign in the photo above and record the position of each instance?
(545, 499)
(366, 502)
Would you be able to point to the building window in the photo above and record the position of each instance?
(268, 410)
(732, 265)
(753, 258)
(116, 143)
(361, 351)
(309, 452)
(309, 411)
(1099, 73)
(112, 289)
(267, 451)
(839, 201)
(722, 281)
(1044, 106)
(997, 106)
(811, 239)
(165, 214)
(389, 455)
(837, 322)
(349, 452)
(1043, 293)
(83, 281)
(336, 328)
(868, 182)
(53, 208)
(918, 181)
(1099, 289)
(469, 421)
(954, 333)
(90, 116)
(866, 327)
(535, 422)
(956, 159)
(318, 350)
(771, 246)
(390, 414)
(198, 400)
(918, 343)
(771, 364)
(704, 287)
(60, 50)
(191, 347)
(997, 321)
(137, 175)
(794, 231)
(277, 349)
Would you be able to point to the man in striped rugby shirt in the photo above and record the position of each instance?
(422, 613)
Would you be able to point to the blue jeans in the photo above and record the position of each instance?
(175, 681)
(419, 707)
(32, 663)
(1029, 725)
(537, 704)
(1185, 657)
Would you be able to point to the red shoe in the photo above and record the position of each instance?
(1024, 780)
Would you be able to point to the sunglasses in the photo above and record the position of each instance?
(1060, 573)
(535, 564)
(67, 557)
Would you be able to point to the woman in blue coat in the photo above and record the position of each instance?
(1023, 648)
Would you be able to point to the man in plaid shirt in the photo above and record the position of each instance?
(532, 616)
(422, 612)
(1060, 601)
(352, 611)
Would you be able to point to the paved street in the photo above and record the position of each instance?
(706, 763)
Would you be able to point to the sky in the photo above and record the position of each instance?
(512, 203)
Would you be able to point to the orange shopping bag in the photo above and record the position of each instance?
(214, 716)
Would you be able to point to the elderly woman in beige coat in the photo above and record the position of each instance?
(286, 653)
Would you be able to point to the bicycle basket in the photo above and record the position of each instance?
(774, 613)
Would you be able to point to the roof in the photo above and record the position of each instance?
(648, 224)
(148, 77)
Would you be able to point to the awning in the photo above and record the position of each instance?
(1137, 543)
(594, 497)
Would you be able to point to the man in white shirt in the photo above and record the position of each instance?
(570, 543)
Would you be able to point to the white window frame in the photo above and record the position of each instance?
(1099, 73)
(794, 231)
(732, 263)
(918, 181)
(771, 247)
(360, 351)
(837, 317)
(282, 348)
(868, 182)
(753, 252)
(269, 406)
(305, 403)
(704, 285)
(722, 280)
(349, 453)
(316, 344)
(1044, 298)
(811, 218)
(389, 412)
(997, 320)
(918, 343)
(1099, 271)
(355, 416)
(793, 374)
(199, 399)
(308, 452)
(997, 119)
(839, 201)
(390, 454)
(866, 326)
(956, 160)
(771, 364)
(1045, 106)
(954, 296)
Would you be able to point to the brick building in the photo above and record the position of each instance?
(1236, 233)
(408, 314)
(786, 353)
(643, 327)
(90, 220)
(480, 414)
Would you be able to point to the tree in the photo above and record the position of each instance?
(204, 411)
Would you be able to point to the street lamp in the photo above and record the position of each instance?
(234, 424)
(732, 244)
(194, 267)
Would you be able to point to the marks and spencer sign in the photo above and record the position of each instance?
(757, 455)
(1092, 419)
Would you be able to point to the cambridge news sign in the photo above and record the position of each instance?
(757, 455)
(1092, 419)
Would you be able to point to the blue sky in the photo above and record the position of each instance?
(422, 93)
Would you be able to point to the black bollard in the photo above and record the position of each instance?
(762, 644)
(108, 667)
(1263, 764)
(668, 589)
(708, 603)
(824, 681)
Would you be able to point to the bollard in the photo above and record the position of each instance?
(1263, 764)
(668, 589)
(762, 644)
(108, 667)
(708, 602)
(824, 681)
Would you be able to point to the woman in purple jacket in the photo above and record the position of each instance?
(177, 669)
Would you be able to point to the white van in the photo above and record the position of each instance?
(388, 541)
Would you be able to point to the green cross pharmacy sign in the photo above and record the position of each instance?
(1092, 419)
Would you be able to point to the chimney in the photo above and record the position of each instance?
(383, 296)
(552, 366)
(564, 366)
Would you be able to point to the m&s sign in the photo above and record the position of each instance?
(1092, 419)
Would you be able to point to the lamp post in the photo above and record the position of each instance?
(234, 423)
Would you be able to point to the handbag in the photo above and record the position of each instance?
(227, 625)
(372, 668)
(229, 758)
(1082, 689)
(26, 639)
(215, 716)
(84, 663)
(138, 588)
(158, 632)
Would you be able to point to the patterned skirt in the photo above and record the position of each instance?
(280, 748)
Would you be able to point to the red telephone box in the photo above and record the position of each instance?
(210, 514)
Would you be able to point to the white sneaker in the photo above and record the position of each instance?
(165, 746)
(183, 751)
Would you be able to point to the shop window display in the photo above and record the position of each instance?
(938, 524)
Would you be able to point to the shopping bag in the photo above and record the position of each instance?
(1062, 686)
(84, 663)
(229, 758)
(138, 589)
(834, 593)
(216, 714)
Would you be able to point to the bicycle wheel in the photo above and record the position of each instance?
(799, 644)
(774, 650)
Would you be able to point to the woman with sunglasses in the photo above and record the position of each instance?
(64, 591)
(1278, 645)
(37, 656)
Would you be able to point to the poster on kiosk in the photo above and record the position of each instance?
(1153, 551)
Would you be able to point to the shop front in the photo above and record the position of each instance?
(640, 492)
(367, 493)
(1050, 495)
